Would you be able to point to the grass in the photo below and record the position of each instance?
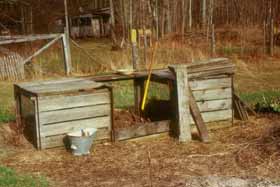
(263, 101)
(6, 102)
(9, 178)
(124, 93)
(6, 116)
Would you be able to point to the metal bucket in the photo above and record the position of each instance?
(81, 141)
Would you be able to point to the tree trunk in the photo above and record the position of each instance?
(190, 15)
(112, 23)
(203, 13)
(183, 17)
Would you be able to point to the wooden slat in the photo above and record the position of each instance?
(74, 114)
(60, 140)
(27, 38)
(66, 127)
(215, 116)
(29, 85)
(142, 130)
(214, 105)
(210, 84)
(62, 87)
(216, 94)
(197, 118)
(64, 102)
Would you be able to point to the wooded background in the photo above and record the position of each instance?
(163, 16)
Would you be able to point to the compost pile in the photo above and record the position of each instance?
(127, 118)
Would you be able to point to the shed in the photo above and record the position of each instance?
(50, 109)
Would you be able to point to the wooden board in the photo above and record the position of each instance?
(66, 127)
(215, 105)
(210, 84)
(74, 114)
(142, 130)
(60, 86)
(213, 94)
(61, 140)
(66, 102)
(197, 118)
(215, 116)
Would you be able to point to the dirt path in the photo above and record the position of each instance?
(246, 150)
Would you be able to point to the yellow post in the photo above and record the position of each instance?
(134, 36)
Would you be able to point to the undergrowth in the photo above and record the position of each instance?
(263, 101)
(6, 116)
(9, 178)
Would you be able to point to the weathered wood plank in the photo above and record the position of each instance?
(61, 140)
(215, 94)
(61, 102)
(215, 116)
(210, 84)
(66, 127)
(182, 89)
(60, 86)
(63, 87)
(74, 114)
(142, 130)
(28, 38)
(197, 118)
(214, 105)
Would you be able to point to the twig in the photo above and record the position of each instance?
(210, 155)
(150, 168)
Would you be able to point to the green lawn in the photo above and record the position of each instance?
(6, 102)
(9, 178)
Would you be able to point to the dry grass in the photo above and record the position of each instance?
(246, 150)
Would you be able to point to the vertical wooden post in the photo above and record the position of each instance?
(18, 109)
(138, 84)
(67, 55)
(182, 102)
(213, 41)
(66, 42)
(134, 49)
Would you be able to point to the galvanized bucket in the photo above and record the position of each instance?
(81, 141)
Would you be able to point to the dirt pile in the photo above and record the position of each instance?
(126, 118)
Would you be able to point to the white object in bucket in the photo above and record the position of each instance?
(87, 131)
(81, 141)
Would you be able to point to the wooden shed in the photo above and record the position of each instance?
(50, 109)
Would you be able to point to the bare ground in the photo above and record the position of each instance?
(248, 150)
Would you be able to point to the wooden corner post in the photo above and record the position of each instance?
(139, 83)
(181, 99)
(67, 55)
(66, 42)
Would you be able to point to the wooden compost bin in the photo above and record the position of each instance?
(50, 109)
